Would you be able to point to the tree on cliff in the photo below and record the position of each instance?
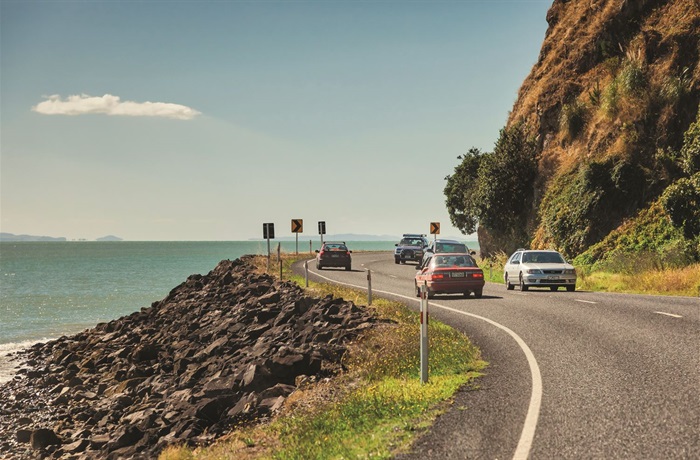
(495, 190)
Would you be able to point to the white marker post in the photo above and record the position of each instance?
(424, 333)
(369, 287)
(306, 272)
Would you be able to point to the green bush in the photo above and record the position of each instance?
(681, 201)
(572, 119)
(581, 207)
(648, 241)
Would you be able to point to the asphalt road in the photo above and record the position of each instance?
(570, 375)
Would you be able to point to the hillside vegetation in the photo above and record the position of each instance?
(600, 156)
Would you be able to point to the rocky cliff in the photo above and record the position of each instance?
(610, 105)
(224, 348)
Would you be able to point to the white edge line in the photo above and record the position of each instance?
(522, 451)
(584, 301)
(668, 314)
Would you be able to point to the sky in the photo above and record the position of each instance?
(202, 120)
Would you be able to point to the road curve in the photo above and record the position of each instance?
(619, 373)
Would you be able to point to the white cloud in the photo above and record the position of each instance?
(112, 105)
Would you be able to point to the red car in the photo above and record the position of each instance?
(450, 273)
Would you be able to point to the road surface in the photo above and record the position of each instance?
(570, 375)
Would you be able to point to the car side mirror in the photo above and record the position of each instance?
(316, 250)
(473, 253)
(397, 244)
(349, 251)
(429, 250)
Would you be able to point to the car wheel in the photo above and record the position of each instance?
(478, 293)
(553, 288)
(319, 266)
(466, 294)
(348, 268)
(403, 261)
(571, 288)
(523, 286)
(417, 289)
(431, 294)
(396, 260)
(509, 286)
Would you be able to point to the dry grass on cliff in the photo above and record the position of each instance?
(374, 408)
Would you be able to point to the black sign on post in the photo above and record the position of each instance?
(269, 231)
(322, 229)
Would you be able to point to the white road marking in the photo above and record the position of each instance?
(668, 314)
(393, 276)
(522, 450)
(584, 301)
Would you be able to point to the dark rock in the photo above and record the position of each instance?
(42, 438)
(220, 349)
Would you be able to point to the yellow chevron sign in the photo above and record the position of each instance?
(297, 225)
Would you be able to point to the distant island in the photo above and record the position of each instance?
(12, 237)
(109, 238)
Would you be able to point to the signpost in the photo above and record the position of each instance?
(322, 229)
(268, 234)
(297, 228)
(435, 229)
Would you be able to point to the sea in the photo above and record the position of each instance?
(51, 289)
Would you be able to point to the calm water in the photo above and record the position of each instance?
(52, 289)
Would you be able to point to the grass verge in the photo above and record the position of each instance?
(375, 408)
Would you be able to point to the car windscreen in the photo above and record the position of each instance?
(409, 242)
(453, 261)
(543, 258)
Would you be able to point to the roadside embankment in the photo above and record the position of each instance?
(220, 349)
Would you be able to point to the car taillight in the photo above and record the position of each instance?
(436, 276)
(478, 275)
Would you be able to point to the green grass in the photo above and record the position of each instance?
(374, 409)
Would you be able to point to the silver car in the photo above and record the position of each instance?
(538, 268)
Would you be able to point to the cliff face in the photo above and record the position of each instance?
(614, 90)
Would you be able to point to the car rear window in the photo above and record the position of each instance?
(453, 261)
(336, 247)
(450, 247)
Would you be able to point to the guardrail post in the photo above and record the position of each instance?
(424, 333)
(369, 287)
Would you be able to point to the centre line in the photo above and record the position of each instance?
(668, 314)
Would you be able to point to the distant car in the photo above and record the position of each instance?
(334, 254)
(444, 245)
(536, 268)
(411, 247)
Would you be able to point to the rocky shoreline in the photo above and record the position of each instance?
(221, 349)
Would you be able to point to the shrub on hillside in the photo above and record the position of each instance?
(572, 119)
(581, 207)
(648, 241)
(681, 201)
